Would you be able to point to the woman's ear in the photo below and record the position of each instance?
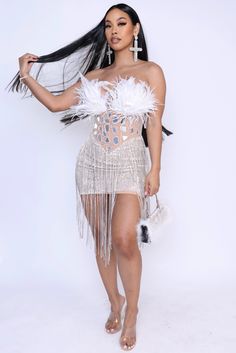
(137, 28)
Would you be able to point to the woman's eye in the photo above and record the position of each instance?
(119, 24)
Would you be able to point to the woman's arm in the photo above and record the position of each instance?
(54, 103)
(156, 80)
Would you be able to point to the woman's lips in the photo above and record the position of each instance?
(115, 40)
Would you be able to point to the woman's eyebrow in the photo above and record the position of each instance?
(117, 19)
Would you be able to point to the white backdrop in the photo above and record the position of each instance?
(194, 260)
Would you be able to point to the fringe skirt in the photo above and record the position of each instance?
(99, 176)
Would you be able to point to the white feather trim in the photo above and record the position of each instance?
(154, 223)
(161, 216)
(127, 98)
(91, 102)
(132, 99)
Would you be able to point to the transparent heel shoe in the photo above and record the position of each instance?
(128, 338)
(113, 323)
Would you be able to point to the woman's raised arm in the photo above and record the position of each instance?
(54, 103)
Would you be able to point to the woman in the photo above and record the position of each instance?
(123, 95)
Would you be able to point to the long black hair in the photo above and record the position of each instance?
(84, 54)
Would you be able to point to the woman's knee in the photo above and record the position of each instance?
(125, 245)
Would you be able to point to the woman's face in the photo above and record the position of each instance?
(119, 29)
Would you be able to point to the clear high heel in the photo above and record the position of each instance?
(128, 338)
(114, 320)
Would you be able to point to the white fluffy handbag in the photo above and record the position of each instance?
(157, 218)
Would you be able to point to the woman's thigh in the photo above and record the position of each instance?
(123, 213)
(126, 215)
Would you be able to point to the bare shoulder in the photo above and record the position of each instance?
(94, 74)
(156, 79)
(154, 72)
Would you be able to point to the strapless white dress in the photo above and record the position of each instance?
(114, 158)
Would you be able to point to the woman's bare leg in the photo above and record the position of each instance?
(108, 273)
(126, 214)
(109, 277)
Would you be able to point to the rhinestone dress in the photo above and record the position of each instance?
(114, 158)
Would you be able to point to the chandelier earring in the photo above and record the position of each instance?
(109, 52)
(135, 48)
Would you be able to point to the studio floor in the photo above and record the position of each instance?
(44, 317)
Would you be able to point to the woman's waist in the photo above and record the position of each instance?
(114, 146)
(131, 154)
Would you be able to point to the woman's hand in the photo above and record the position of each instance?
(152, 182)
(24, 64)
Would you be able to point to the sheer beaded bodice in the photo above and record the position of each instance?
(110, 130)
(119, 113)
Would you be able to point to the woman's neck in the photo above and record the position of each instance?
(123, 58)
